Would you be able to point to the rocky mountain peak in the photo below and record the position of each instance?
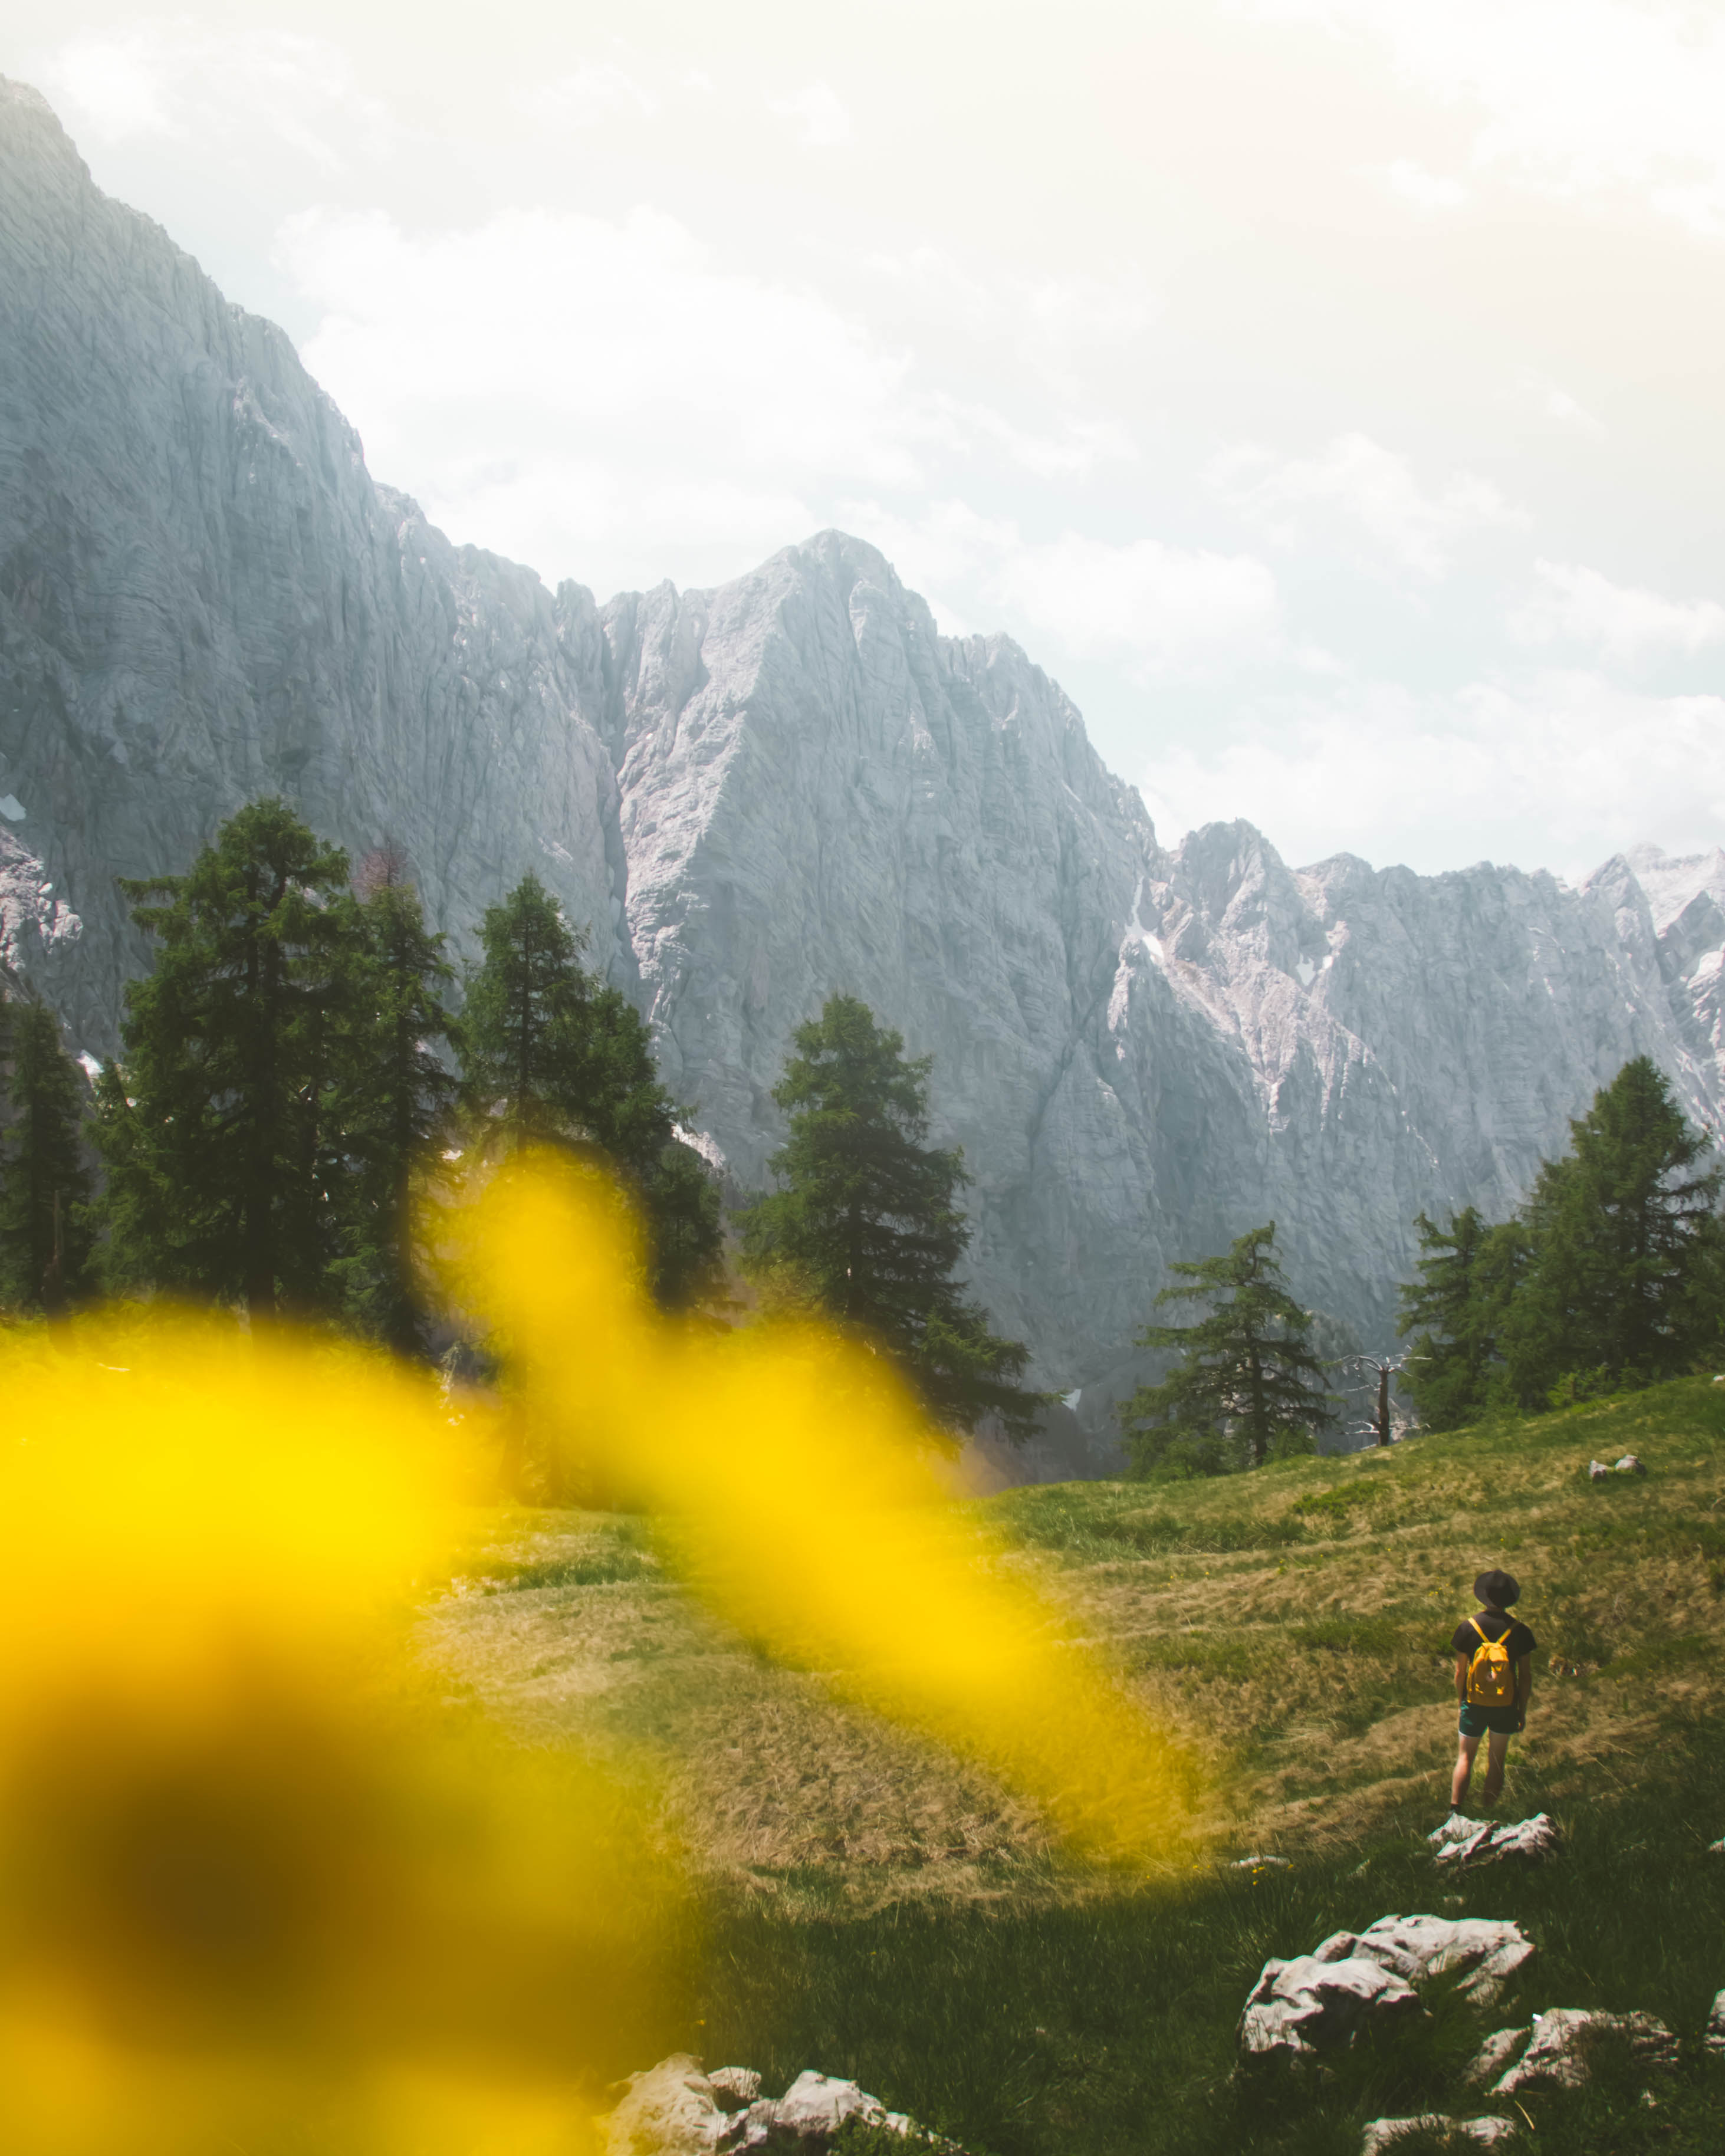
(751, 796)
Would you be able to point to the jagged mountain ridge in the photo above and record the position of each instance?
(752, 796)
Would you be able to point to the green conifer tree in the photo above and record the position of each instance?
(1247, 1383)
(554, 1056)
(398, 1097)
(222, 1124)
(44, 1180)
(1456, 1310)
(1620, 1288)
(867, 1219)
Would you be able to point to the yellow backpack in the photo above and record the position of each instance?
(1490, 1675)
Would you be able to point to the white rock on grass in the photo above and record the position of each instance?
(1316, 2002)
(1628, 1464)
(1305, 2005)
(1489, 1949)
(1556, 2057)
(1464, 1841)
(815, 2106)
(1713, 2035)
(1381, 2134)
(675, 2109)
(672, 2109)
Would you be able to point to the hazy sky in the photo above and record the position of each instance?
(1326, 391)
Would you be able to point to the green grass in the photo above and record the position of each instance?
(880, 1910)
(1107, 2024)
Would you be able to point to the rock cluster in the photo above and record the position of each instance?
(1318, 2001)
(675, 2109)
(1464, 1841)
(1597, 1470)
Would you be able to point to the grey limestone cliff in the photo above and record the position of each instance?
(751, 796)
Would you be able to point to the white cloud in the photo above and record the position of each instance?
(1059, 328)
(578, 392)
(1554, 402)
(1433, 782)
(1427, 191)
(822, 121)
(1357, 485)
(1577, 605)
(597, 90)
(562, 386)
(1157, 603)
(175, 80)
(1154, 606)
(1576, 97)
(1073, 452)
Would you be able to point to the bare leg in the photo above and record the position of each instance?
(1497, 1752)
(1464, 1772)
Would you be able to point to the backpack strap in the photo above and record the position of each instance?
(1479, 1628)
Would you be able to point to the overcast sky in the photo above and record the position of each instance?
(1326, 391)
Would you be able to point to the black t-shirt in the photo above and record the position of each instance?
(1494, 1625)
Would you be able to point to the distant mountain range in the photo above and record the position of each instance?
(751, 796)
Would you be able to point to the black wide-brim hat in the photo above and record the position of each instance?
(1499, 1589)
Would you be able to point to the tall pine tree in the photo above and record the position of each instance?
(1626, 1238)
(1456, 1311)
(1247, 1383)
(44, 1180)
(222, 1123)
(552, 1056)
(868, 1218)
(398, 1095)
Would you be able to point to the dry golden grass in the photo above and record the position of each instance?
(1293, 1624)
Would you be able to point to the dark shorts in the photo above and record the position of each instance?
(1501, 1720)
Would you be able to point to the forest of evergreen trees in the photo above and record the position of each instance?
(296, 1060)
(288, 1066)
(295, 1064)
(1610, 1277)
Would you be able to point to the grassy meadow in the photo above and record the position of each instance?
(877, 1907)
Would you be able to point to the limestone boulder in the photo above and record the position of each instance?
(675, 2109)
(1556, 2055)
(1488, 1950)
(1381, 2134)
(1308, 2005)
(1461, 1842)
(672, 2109)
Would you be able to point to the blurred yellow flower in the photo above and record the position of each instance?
(255, 1889)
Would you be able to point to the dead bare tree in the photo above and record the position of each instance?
(1381, 1425)
(385, 868)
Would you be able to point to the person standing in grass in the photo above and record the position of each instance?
(1494, 1680)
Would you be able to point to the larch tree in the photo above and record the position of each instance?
(1620, 1288)
(398, 1099)
(867, 1220)
(1456, 1312)
(44, 1177)
(1247, 1383)
(552, 1055)
(222, 1121)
